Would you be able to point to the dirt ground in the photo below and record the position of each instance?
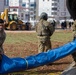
(56, 67)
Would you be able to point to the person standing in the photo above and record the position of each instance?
(2, 37)
(65, 24)
(73, 64)
(44, 30)
(74, 38)
(70, 23)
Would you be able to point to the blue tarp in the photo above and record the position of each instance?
(8, 65)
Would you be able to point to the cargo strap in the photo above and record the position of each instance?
(26, 64)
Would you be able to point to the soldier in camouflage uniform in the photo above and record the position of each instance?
(44, 30)
(73, 64)
(71, 5)
(74, 37)
(2, 37)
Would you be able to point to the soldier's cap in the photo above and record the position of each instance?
(44, 16)
(1, 22)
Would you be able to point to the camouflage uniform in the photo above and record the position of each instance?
(2, 37)
(71, 5)
(74, 37)
(74, 30)
(44, 30)
(73, 64)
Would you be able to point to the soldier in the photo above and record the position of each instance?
(2, 37)
(71, 67)
(74, 38)
(44, 30)
(73, 64)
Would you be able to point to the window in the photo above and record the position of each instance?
(12, 17)
(32, 18)
(54, 4)
(54, 8)
(21, 18)
(54, 13)
(32, 9)
(15, 17)
(24, 5)
(11, 9)
(14, 9)
(33, 4)
(21, 14)
(27, 16)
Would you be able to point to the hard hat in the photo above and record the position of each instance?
(44, 16)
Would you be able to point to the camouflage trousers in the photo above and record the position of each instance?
(74, 54)
(43, 46)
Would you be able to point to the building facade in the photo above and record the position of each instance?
(62, 10)
(30, 10)
(25, 7)
(48, 6)
(4, 4)
(16, 7)
(56, 9)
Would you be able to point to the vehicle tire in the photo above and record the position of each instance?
(23, 27)
(13, 26)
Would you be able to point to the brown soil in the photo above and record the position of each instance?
(31, 49)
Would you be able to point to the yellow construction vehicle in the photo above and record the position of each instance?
(11, 21)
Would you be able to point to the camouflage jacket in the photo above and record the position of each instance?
(44, 28)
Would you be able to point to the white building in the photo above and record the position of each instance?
(16, 6)
(44, 6)
(56, 9)
(21, 7)
(48, 6)
(30, 6)
(32, 10)
(25, 6)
